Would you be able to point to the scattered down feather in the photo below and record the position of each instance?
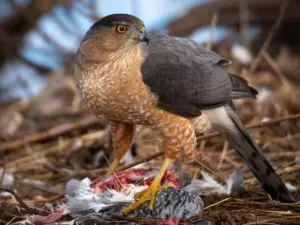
(209, 185)
(102, 200)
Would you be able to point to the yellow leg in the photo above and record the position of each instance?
(113, 166)
(150, 193)
(122, 135)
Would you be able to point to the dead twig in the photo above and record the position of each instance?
(3, 174)
(51, 133)
(283, 79)
(213, 24)
(215, 134)
(225, 149)
(244, 22)
(92, 14)
(142, 160)
(96, 172)
(160, 153)
(217, 203)
(267, 42)
(28, 209)
(209, 169)
(256, 125)
(71, 145)
(134, 163)
(144, 220)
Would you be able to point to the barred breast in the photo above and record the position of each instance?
(116, 91)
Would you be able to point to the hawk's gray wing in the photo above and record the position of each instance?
(240, 88)
(189, 79)
(185, 76)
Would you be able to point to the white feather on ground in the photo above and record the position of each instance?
(82, 199)
(7, 180)
(209, 185)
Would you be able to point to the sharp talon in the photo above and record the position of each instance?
(166, 186)
(150, 193)
(140, 193)
(152, 202)
(145, 195)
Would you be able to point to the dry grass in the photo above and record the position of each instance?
(50, 139)
(41, 167)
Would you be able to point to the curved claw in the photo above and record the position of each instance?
(150, 193)
(145, 195)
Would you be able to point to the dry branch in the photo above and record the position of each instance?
(263, 12)
(27, 209)
(207, 136)
(213, 24)
(14, 28)
(256, 125)
(51, 133)
(129, 165)
(267, 42)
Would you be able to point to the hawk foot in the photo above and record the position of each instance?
(113, 167)
(145, 195)
(150, 193)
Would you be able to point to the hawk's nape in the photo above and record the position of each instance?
(190, 80)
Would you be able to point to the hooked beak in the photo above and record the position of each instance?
(144, 37)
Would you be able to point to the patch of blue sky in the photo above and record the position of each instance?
(5, 9)
(83, 23)
(57, 34)
(67, 18)
(13, 87)
(37, 49)
(202, 35)
(156, 14)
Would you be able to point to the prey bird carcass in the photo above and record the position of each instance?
(105, 198)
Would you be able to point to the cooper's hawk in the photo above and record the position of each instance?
(130, 77)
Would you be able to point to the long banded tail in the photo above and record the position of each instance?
(225, 120)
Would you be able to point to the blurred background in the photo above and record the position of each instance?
(40, 38)
(46, 134)
(46, 41)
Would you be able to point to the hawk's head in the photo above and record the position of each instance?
(116, 33)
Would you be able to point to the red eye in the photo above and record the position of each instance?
(121, 28)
